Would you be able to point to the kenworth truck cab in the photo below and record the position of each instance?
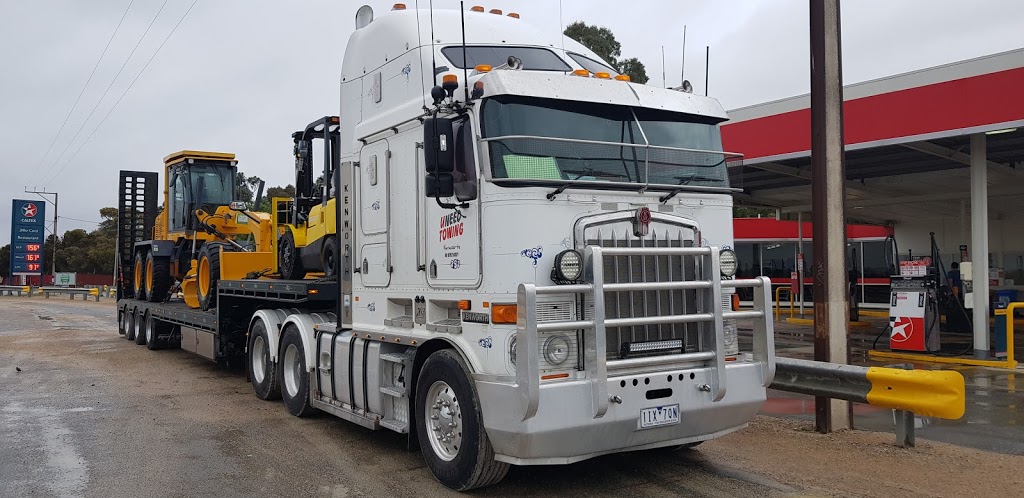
(538, 253)
(535, 262)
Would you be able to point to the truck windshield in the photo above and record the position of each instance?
(569, 141)
(213, 185)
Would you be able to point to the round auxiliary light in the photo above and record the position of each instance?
(727, 262)
(556, 349)
(568, 266)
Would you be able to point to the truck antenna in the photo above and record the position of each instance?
(682, 70)
(433, 52)
(465, 60)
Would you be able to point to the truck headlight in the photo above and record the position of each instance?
(568, 267)
(727, 262)
(556, 349)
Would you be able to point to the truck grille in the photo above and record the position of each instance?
(664, 232)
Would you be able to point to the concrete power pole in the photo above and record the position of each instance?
(828, 198)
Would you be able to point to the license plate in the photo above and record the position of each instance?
(659, 415)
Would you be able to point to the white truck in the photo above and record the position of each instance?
(535, 264)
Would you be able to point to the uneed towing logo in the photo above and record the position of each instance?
(451, 226)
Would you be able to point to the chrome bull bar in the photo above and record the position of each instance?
(596, 364)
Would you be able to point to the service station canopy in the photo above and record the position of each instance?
(907, 143)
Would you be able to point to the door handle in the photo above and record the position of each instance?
(433, 269)
(366, 266)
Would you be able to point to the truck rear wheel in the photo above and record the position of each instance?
(154, 329)
(262, 369)
(140, 326)
(288, 261)
(294, 376)
(451, 432)
(158, 277)
(208, 274)
(138, 277)
(122, 321)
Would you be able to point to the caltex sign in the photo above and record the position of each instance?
(28, 230)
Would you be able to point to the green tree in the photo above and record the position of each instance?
(108, 227)
(602, 42)
(598, 39)
(634, 69)
(286, 191)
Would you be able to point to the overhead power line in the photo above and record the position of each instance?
(87, 81)
(107, 115)
(100, 101)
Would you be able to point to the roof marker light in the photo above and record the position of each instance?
(483, 68)
(623, 77)
(513, 15)
(496, 11)
(581, 72)
(398, 6)
(603, 75)
(477, 8)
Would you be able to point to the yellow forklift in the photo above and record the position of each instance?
(203, 234)
(306, 223)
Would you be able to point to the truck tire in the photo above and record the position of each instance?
(460, 456)
(154, 329)
(293, 374)
(208, 274)
(139, 277)
(329, 255)
(158, 277)
(129, 328)
(140, 318)
(122, 321)
(288, 261)
(262, 369)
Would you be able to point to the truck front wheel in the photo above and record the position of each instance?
(451, 430)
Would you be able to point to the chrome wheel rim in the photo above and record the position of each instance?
(138, 324)
(292, 370)
(149, 329)
(444, 421)
(259, 364)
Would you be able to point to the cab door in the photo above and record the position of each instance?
(374, 251)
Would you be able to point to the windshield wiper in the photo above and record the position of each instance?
(559, 190)
(685, 180)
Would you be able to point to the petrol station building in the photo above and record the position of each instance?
(939, 150)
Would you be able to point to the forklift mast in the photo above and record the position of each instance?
(309, 188)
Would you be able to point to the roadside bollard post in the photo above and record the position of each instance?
(904, 419)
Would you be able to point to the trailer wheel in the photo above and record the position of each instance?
(138, 277)
(329, 256)
(122, 321)
(288, 261)
(158, 277)
(154, 329)
(129, 324)
(262, 369)
(451, 435)
(294, 376)
(141, 321)
(208, 274)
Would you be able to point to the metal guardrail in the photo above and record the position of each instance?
(72, 292)
(594, 355)
(10, 290)
(931, 393)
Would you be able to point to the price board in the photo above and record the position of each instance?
(28, 231)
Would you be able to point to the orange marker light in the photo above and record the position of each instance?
(554, 376)
(581, 72)
(603, 75)
(450, 78)
(623, 77)
(398, 6)
(513, 15)
(496, 11)
(504, 313)
(465, 304)
(483, 68)
(477, 8)
(486, 304)
(735, 302)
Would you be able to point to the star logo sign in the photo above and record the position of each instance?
(902, 329)
(29, 210)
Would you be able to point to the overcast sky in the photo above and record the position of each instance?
(241, 75)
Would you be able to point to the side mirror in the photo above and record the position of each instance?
(440, 185)
(438, 145)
